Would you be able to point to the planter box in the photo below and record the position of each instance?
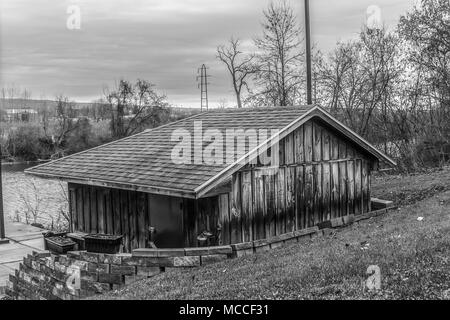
(102, 243)
(78, 238)
(59, 245)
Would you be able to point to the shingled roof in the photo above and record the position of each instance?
(143, 161)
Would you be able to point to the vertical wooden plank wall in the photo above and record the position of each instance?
(224, 217)
(247, 206)
(259, 204)
(321, 176)
(72, 210)
(290, 198)
(281, 223)
(112, 211)
(236, 210)
(298, 203)
(270, 205)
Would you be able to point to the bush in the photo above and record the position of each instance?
(83, 137)
(433, 153)
(26, 143)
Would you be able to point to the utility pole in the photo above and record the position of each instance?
(308, 54)
(2, 217)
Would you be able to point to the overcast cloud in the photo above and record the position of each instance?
(163, 41)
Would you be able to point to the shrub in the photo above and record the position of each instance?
(24, 143)
(433, 153)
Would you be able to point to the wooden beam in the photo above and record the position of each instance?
(115, 185)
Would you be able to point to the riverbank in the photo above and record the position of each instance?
(30, 199)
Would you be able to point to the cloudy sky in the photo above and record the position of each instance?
(163, 41)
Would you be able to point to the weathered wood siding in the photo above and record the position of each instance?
(321, 176)
(178, 221)
(127, 213)
(208, 214)
(111, 211)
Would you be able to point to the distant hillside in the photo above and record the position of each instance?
(43, 104)
(34, 104)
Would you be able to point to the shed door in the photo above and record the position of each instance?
(166, 216)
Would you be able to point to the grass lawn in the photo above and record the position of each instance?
(414, 256)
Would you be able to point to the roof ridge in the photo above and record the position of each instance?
(265, 108)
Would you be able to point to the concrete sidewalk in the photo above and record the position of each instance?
(23, 239)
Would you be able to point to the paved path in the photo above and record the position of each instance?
(23, 239)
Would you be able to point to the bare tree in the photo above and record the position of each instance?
(239, 65)
(45, 116)
(12, 93)
(62, 220)
(14, 97)
(25, 97)
(32, 202)
(222, 104)
(425, 31)
(358, 79)
(134, 107)
(65, 122)
(279, 56)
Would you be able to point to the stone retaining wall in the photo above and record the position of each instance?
(81, 274)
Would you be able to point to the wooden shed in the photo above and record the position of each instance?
(130, 185)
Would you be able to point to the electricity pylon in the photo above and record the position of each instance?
(203, 86)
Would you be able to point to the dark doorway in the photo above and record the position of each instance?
(166, 216)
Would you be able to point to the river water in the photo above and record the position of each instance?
(31, 199)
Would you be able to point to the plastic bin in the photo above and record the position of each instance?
(102, 243)
(59, 244)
